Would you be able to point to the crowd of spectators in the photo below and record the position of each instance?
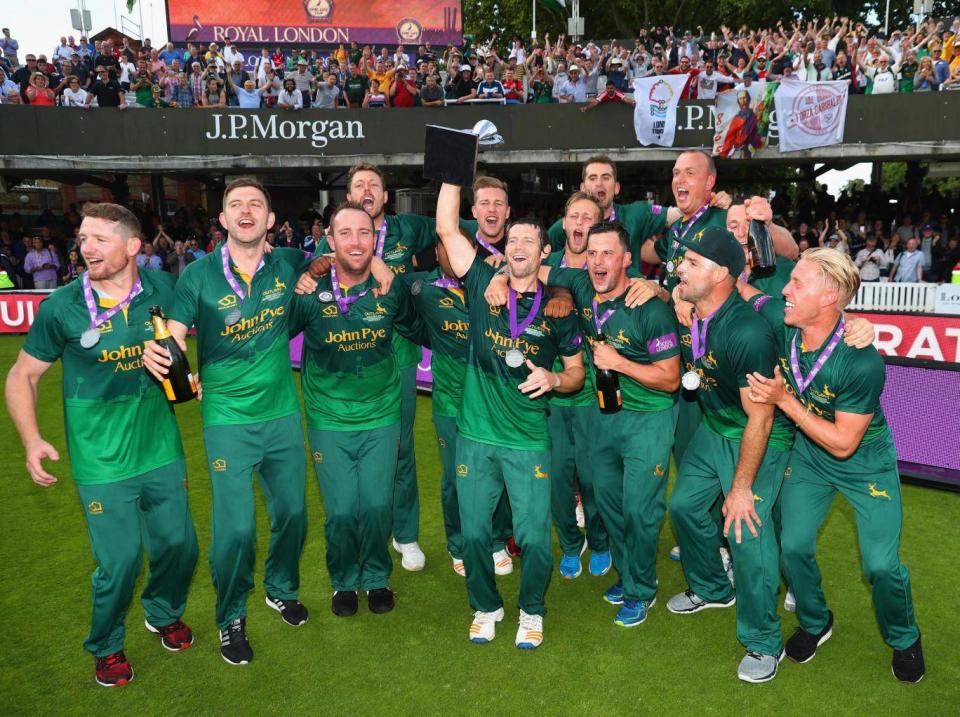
(80, 73)
(889, 242)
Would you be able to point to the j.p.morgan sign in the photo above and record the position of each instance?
(235, 126)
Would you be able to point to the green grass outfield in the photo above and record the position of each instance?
(417, 660)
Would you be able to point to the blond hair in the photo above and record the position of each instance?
(838, 271)
(488, 182)
(582, 197)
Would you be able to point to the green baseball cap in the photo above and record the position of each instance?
(718, 245)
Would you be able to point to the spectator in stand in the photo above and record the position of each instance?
(541, 87)
(574, 88)
(177, 91)
(906, 230)
(247, 96)
(953, 82)
(374, 98)
(290, 98)
(908, 267)
(236, 77)
(106, 91)
(403, 90)
(271, 87)
(197, 83)
(460, 85)
(9, 46)
(616, 74)
(431, 95)
(168, 54)
(303, 81)
(328, 93)
(612, 95)
(22, 75)
(490, 88)
(512, 87)
(43, 265)
(214, 95)
(39, 92)
(143, 89)
(941, 68)
(74, 267)
(147, 258)
(925, 79)
(870, 260)
(355, 87)
(73, 95)
(7, 87)
(178, 259)
(707, 82)
(883, 77)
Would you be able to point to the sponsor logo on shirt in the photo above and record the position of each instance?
(276, 292)
(95, 507)
(127, 358)
(219, 465)
(494, 310)
(377, 315)
(397, 253)
(359, 340)
(459, 328)
(227, 302)
(317, 457)
(662, 343)
(501, 344)
(258, 323)
(330, 311)
(106, 327)
(445, 303)
(462, 470)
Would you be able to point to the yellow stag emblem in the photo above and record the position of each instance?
(874, 493)
(537, 473)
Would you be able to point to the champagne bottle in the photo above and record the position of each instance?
(763, 260)
(180, 385)
(608, 386)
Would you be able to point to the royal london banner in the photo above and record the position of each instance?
(811, 114)
(744, 116)
(655, 114)
(269, 23)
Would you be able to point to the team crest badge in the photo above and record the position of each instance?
(219, 465)
(95, 507)
(462, 470)
(317, 457)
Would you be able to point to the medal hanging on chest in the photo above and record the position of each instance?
(232, 317)
(343, 302)
(698, 345)
(91, 336)
(677, 236)
(803, 382)
(514, 357)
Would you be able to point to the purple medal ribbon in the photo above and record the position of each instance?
(599, 320)
(381, 237)
(343, 302)
(699, 336)
(518, 328)
(228, 273)
(96, 319)
(563, 262)
(486, 245)
(804, 382)
(613, 213)
(677, 236)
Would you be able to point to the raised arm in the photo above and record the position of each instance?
(460, 251)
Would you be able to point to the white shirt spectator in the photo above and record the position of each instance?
(870, 262)
(230, 54)
(263, 63)
(707, 85)
(519, 53)
(294, 99)
(884, 80)
(71, 98)
(126, 70)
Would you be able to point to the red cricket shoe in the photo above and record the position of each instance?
(512, 547)
(174, 637)
(113, 670)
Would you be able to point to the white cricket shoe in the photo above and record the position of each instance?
(502, 562)
(530, 631)
(484, 626)
(411, 557)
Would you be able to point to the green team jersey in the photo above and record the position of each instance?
(446, 326)
(585, 396)
(407, 234)
(773, 285)
(471, 227)
(736, 345)
(642, 220)
(645, 334)
(671, 251)
(118, 419)
(349, 370)
(244, 367)
(493, 410)
(850, 381)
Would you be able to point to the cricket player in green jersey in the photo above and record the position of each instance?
(440, 302)
(629, 451)
(351, 389)
(124, 444)
(238, 297)
(739, 451)
(570, 417)
(491, 211)
(844, 445)
(399, 237)
(503, 436)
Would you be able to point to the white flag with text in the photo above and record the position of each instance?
(655, 114)
(811, 114)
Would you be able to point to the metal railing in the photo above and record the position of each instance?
(894, 296)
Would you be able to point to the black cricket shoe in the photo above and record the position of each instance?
(293, 612)
(380, 600)
(908, 665)
(234, 647)
(344, 603)
(802, 646)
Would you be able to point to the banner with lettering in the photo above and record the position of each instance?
(744, 115)
(811, 114)
(655, 114)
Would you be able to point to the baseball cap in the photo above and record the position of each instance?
(466, 68)
(574, 68)
(616, 61)
(718, 245)
(928, 227)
